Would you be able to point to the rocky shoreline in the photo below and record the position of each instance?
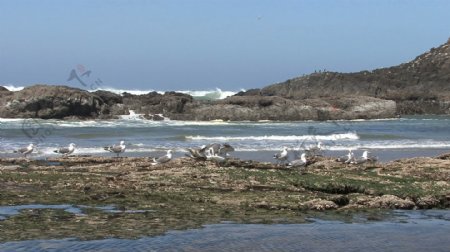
(420, 86)
(187, 193)
(61, 102)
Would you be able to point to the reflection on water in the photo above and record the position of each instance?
(8, 211)
(402, 231)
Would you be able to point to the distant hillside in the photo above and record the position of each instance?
(419, 86)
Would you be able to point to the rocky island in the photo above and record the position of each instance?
(421, 86)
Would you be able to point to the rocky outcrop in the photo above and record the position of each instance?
(418, 87)
(421, 86)
(154, 103)
(254, 108)
(46, 102)
(3, 89)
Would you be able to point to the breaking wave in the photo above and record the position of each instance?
(216, 94)
(213, 94)
(332, 137)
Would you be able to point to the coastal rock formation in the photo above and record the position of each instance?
(155, 103)
(42, 101)
(256, 108)
(419, 86)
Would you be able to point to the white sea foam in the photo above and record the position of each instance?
(216, 94)
(212, 94)
(12, 87)
(332, 137)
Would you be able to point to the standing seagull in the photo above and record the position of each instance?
(198, 153)
(363, 159)
(66, 150)
(225, 149)
(163, 159)
(25, 150)
(281, 156)
(299, 162)
(347, 158)
(214, 157)
(116, 148)
(315, 150)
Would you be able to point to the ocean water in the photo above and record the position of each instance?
(409, 231)
(389, 138)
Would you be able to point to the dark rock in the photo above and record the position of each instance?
(155, 103)
(3, 89)
(158, 118)
(254, 108)
(420, 86)
(108, 97)
(41, 101)
(250, 92)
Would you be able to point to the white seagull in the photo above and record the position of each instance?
(220, 149)
(116, 148)
(315, 150)
(363, 159)
(299, 162)
(163, 159)
(210, 155)
(282, 155)
(25, 150)
(347, 158)
(198, 153)
(66, 150)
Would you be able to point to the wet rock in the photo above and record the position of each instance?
(385, 201)
(320, 205)
(41, 101)
(254, 108)
(427, 202)
(108, 97)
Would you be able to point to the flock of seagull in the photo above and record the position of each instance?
(314, 151)
(219, 152)
(215, 152)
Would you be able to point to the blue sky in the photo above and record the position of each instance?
(204, 44)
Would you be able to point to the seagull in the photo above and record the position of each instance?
(66, 150)
(299, 162)
(214, 157)
(371, 158)
(315, 150)
(198, 153)
(219, 149)
(282, 155)
(363, 159)
(347, 158)
(116, 148)
(214, 148)
(25, 150)
(225, 149)
(163, 159)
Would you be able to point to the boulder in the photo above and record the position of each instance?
(42, 101)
